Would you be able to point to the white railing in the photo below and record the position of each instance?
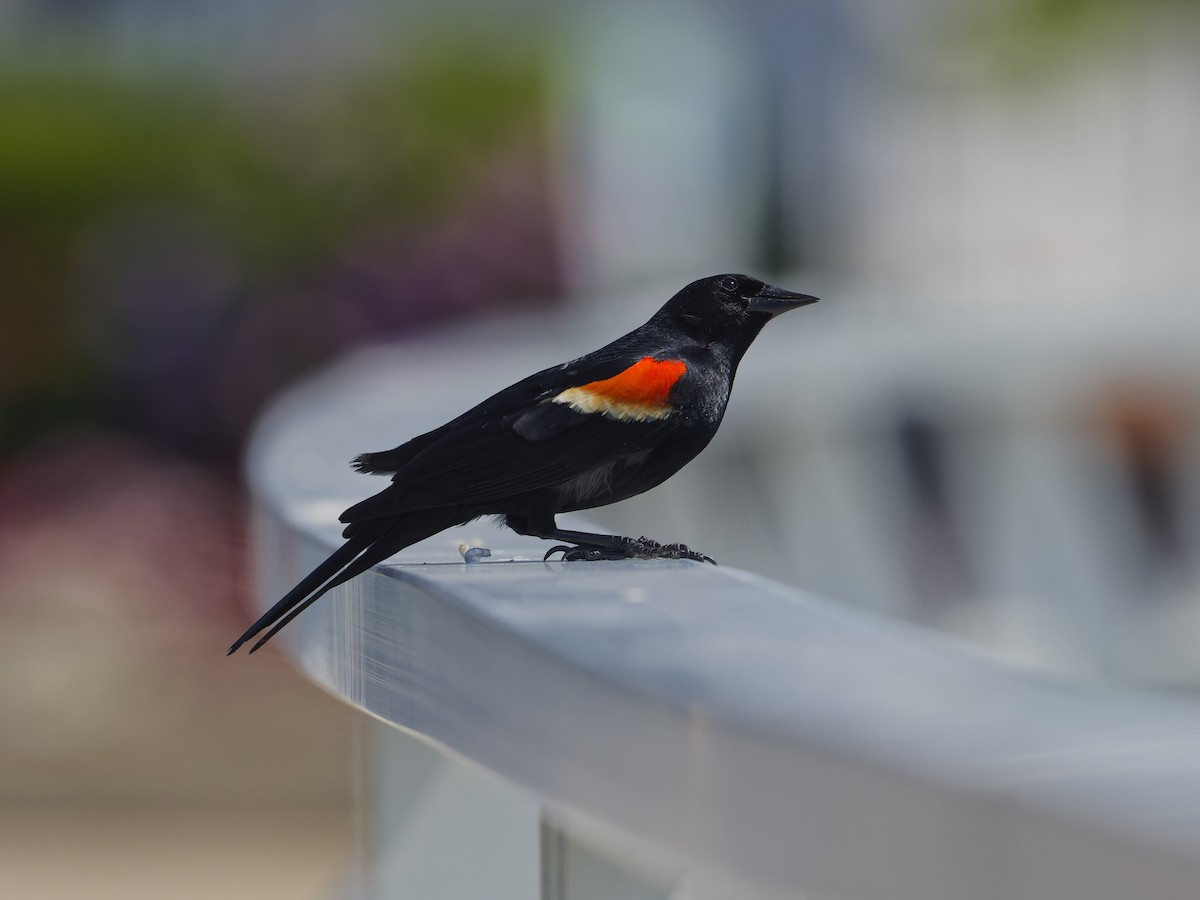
(675, 730)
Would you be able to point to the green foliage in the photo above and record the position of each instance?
(1025, 39)
(285, 167)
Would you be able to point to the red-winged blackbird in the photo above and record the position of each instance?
(598, 429)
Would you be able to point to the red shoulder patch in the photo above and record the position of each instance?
(647, 382)
(638, 393)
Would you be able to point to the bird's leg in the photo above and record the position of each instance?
(588, 546)
(622, 548)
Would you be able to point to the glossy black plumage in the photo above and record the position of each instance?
(598, 429)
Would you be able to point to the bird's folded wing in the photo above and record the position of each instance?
(540, 432)
(496, 462)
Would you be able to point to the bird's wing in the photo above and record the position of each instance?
(521, 395)
(538, 433)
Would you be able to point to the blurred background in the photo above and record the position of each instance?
(994, 426)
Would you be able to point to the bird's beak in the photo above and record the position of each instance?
(773, 300)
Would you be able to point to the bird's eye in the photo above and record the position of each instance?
(729, 284)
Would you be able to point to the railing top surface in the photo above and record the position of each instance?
(704, 710)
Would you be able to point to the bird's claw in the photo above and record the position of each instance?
(629, 548)
(682, 551)
(645, 548)
(639, 548)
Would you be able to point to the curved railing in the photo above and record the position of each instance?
(671, 729)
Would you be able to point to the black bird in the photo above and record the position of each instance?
(598, 429)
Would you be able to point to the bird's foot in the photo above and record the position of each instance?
(682, 551)
(629, 548)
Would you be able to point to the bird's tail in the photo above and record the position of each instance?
(360, 552)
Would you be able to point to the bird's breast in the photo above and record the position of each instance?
(602, 484)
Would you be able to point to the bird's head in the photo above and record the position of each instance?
(728, 309)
